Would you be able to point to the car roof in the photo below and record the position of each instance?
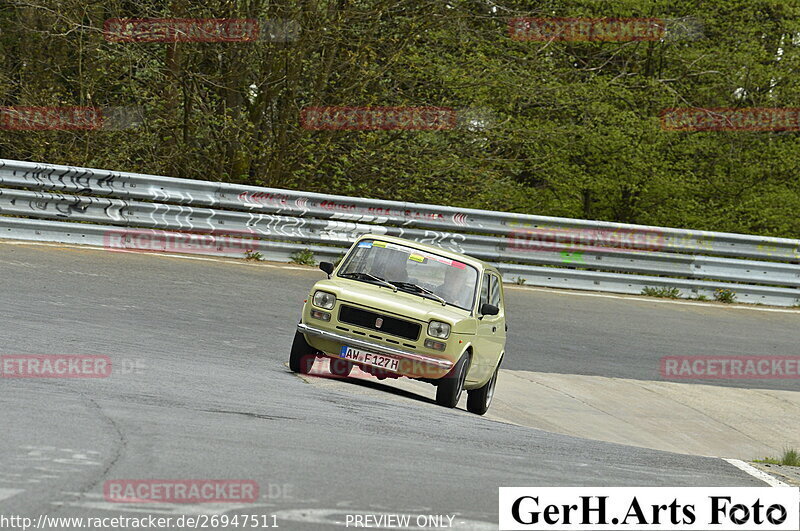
(480, 264)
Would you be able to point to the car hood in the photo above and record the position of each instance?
(400, 302)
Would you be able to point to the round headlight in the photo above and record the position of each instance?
(323, 299)
(439, 329)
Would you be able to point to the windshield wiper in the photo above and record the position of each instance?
(421, 290)
(379, 280)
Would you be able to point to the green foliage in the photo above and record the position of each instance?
(304, 257)
(250, 254)
(790, 457)
(662, 291)
(562, 128)
(724, 295)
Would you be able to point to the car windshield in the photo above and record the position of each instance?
(425, 274)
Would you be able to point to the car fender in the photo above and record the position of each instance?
(500, 360)
(474, 373)
(483, 373)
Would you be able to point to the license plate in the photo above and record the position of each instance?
(369, 358)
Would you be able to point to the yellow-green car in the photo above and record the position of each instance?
(395, 308)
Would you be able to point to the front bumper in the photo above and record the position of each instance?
(412, 364)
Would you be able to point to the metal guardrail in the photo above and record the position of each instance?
(122, 210)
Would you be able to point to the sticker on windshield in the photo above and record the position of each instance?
(417, 256)
(365, 244)
(439, 259)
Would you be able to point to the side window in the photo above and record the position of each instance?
(484, 291)
(494, 292)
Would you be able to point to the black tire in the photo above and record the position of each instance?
(479, 400)
(340, 367)
(302, 357)
(449, 390)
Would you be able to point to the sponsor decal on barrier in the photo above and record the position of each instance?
(650, 508)
(377, 118)
(730, 119)
(265, 198)
(55, 366)
(730, 367)
(344, 210)
(180, 490)
(199, 30)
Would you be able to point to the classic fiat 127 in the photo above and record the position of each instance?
(395, 307)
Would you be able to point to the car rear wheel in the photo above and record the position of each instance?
(479, 400)
(449, 390)
(340, 367)
(302, 357)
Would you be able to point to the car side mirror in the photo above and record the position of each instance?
(489, 309)
(327, 267)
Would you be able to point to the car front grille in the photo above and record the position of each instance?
(367, 319)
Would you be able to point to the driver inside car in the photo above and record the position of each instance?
(395, 270)
(454, 289)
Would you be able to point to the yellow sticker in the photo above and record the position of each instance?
(379, 244)
(416, 258)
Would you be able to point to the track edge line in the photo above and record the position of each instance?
(756, 473)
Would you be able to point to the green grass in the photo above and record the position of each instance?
(725, 295)
(663, 292)
(790, 457)
(304, 257)
(250, 254)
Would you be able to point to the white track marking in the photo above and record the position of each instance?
(8, 493)
(96, 501)
(756, 473)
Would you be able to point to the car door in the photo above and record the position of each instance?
(498, 322)
(491, 328)
(497, 298)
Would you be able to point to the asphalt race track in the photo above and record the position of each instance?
(601, 336)
(202, 391)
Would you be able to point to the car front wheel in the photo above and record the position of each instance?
(302, 357)
(449, 390)
(479, 400)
